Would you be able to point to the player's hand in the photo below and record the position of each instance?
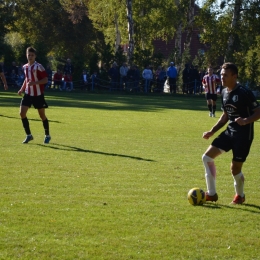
(5, 87)
(30, 83)
(20, 92)
(207, 135)
(240, 121)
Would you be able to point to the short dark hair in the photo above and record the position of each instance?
(230, 66)
(31, 49)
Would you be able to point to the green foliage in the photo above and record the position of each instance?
(199, 60)
(93, 63)
(253, 68)
(143, 58)
(107, 55)
(120, 57)
(8, 54)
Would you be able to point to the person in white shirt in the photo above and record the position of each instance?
(123, 75)
(147, 76)
(84, 78)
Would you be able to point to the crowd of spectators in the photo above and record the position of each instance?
(14, 74)
(118, 78)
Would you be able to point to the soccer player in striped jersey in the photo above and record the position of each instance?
(209, 82)
(240, 110)
(33, 88)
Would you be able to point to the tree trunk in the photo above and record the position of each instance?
(189, 29)
(234, 24)
(178, 37)
(130, 21)
(178, 44)
(118, 35)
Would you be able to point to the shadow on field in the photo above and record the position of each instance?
(77, 149)
(244, 207)
(114, 101)
(30, 119)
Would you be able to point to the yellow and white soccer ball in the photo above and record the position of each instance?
(196, 196)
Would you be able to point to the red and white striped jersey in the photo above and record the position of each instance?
(210, 82)
(34, 72)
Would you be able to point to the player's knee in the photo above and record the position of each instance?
(235, 168)
(206, 159)
(22, 114)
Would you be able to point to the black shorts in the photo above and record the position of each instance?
(37, 101)
(211, 96)
(239, 146)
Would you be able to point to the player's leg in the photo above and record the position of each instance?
(214, 99)
(210, 171)
(240, 152)
(236, 170)
(209, 104)
(24, 106)
(45, 123)
(40, 104)
(25, 121)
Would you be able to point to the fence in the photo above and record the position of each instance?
(142, 85)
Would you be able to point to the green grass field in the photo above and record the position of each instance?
(112, 184)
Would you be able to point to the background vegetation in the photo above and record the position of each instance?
(90, 32)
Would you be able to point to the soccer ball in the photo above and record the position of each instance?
(196, 196)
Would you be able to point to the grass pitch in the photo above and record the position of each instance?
(112, 184)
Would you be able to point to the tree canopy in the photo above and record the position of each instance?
(87, 30)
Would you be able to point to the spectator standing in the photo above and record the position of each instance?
(195, 80)
(94, 81)
(57, 80)
(172, 76)
(68, 68)
(113, 74)
(84, 80)
(161, 79)
(20, 68)
(20, 78)
(12, 79)
(49, 73)
(123, 75)
(186, 78)
(210, 82)
(68, 83)
(136, 79)
(219, 86)
(157, 72)
(201, 74)
(131, 78)
(147, 76)
(13, 69)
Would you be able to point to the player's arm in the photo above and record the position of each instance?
(39, 82)
(21, 90)
(221, 122)
(254, 117)
(2, 75)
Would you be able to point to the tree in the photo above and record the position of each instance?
(130, 23)
(234, 28)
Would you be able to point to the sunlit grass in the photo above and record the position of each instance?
(112, 183)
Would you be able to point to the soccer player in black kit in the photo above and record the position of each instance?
(240, 110)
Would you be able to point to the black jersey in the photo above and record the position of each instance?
(240, 102)
(1, 70)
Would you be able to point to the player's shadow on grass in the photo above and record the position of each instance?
(245, 207)
(77, 149)
(30, 119)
